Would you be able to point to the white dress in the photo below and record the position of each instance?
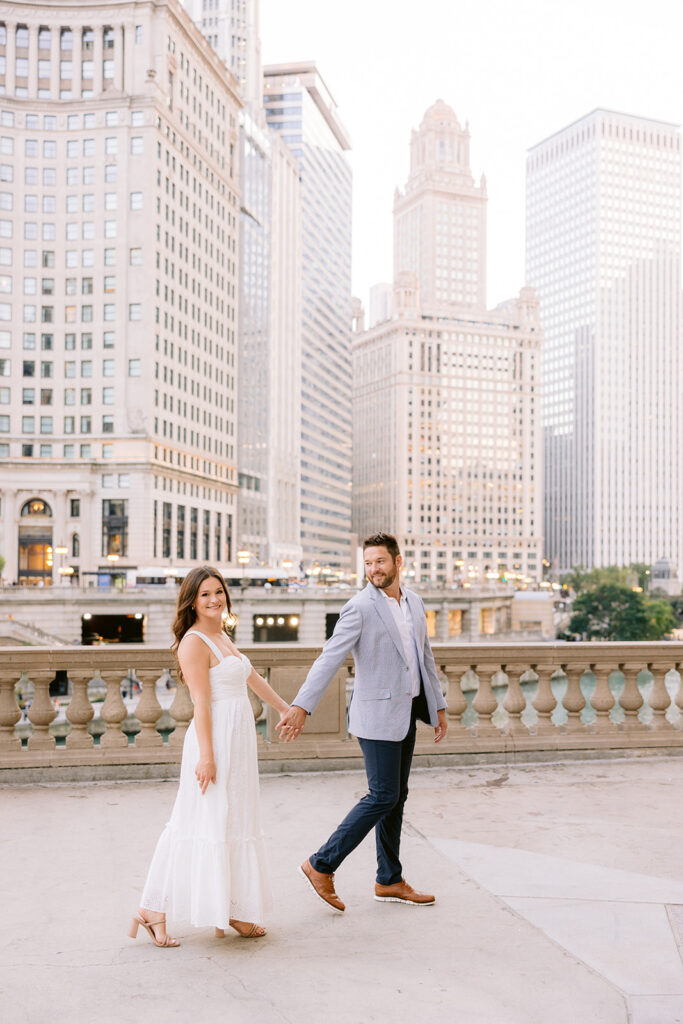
(210, 864)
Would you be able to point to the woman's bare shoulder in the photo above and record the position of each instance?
(192, 645)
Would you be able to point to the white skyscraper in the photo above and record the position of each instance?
(446, 392)
(119, 202)
(232, 29)
(269, 327)
(603, 253)
(300, 108)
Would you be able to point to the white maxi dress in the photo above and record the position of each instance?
(209, 864)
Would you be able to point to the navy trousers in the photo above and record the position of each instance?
(387, 766)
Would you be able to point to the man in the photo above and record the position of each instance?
(384, 627)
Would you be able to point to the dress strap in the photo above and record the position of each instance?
(209, 643)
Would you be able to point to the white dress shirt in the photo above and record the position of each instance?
(406, 629)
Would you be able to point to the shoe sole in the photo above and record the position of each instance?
(315, 892)
(408, 903)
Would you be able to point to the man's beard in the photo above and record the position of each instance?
(386, 580)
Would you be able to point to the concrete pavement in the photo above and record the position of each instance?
(560, 899)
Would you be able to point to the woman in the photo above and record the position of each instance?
(209, 865)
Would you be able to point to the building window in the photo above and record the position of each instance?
(134, 367)
(114, 526)
(180, 532)
(75, 508)
(135, 311)
(166, 528)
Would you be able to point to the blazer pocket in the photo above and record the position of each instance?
(376, 695)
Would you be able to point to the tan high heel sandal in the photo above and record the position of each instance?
(167, 943)
(256, 931)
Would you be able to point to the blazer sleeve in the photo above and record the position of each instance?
(430, 666)
(334, 654)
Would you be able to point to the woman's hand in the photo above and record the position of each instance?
(205, 772)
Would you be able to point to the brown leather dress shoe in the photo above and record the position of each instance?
(401, 892)
(322, 885)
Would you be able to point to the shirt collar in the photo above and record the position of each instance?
(385, 595)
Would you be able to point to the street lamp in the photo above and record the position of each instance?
(61, 550)
(244, 557)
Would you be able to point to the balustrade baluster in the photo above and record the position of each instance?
(679, 695)
(631, 700)
(456, 700)
(79, 712)
(182, 711)
(485, 702)
(113, 712)
(515, 701)
(574, 701)
(10, 713)
(660, 698)
(148, 711)
(602, 700)
(544, 700)
(42, 712)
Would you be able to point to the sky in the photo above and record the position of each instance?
(516, 71)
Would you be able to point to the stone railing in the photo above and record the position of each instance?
(526, 701)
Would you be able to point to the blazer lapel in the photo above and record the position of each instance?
(384, 612)
(419, 624)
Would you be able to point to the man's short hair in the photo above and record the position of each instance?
(383, 540)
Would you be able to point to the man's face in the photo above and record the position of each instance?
(380, 567)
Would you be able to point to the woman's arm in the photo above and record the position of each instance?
(266, 692)
(194, 659)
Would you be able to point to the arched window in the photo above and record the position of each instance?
(75, 546)
(36, 507)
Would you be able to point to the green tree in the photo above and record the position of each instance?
(580, 579)
(614, 612)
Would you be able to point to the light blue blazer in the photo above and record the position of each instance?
(381, 704)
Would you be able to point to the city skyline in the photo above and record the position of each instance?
(603, 62)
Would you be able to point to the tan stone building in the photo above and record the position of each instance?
(447, 433)
(118, 225)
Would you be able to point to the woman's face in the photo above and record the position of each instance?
(210, 600)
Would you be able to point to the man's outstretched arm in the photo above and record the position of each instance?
(322, 672)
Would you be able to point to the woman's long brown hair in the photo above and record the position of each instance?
(185, 615)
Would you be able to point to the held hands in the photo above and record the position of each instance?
(291, 723)
(442, 728)
(205, 772)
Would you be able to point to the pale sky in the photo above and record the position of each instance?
(517, 71)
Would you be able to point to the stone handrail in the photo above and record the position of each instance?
(501, 726)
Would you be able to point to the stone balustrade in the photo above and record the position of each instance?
(527, 701)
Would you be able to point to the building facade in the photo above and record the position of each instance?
(119, 224)
(301, 110)
(269, 388)
(446, 393)
(269, 327)
(231, 27)
(603, 253)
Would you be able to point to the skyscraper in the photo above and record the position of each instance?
(440, 217)
(231, 27)
(119, 199)
(269, 326)
(301, 109)
(446, 392)
(603, 252)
